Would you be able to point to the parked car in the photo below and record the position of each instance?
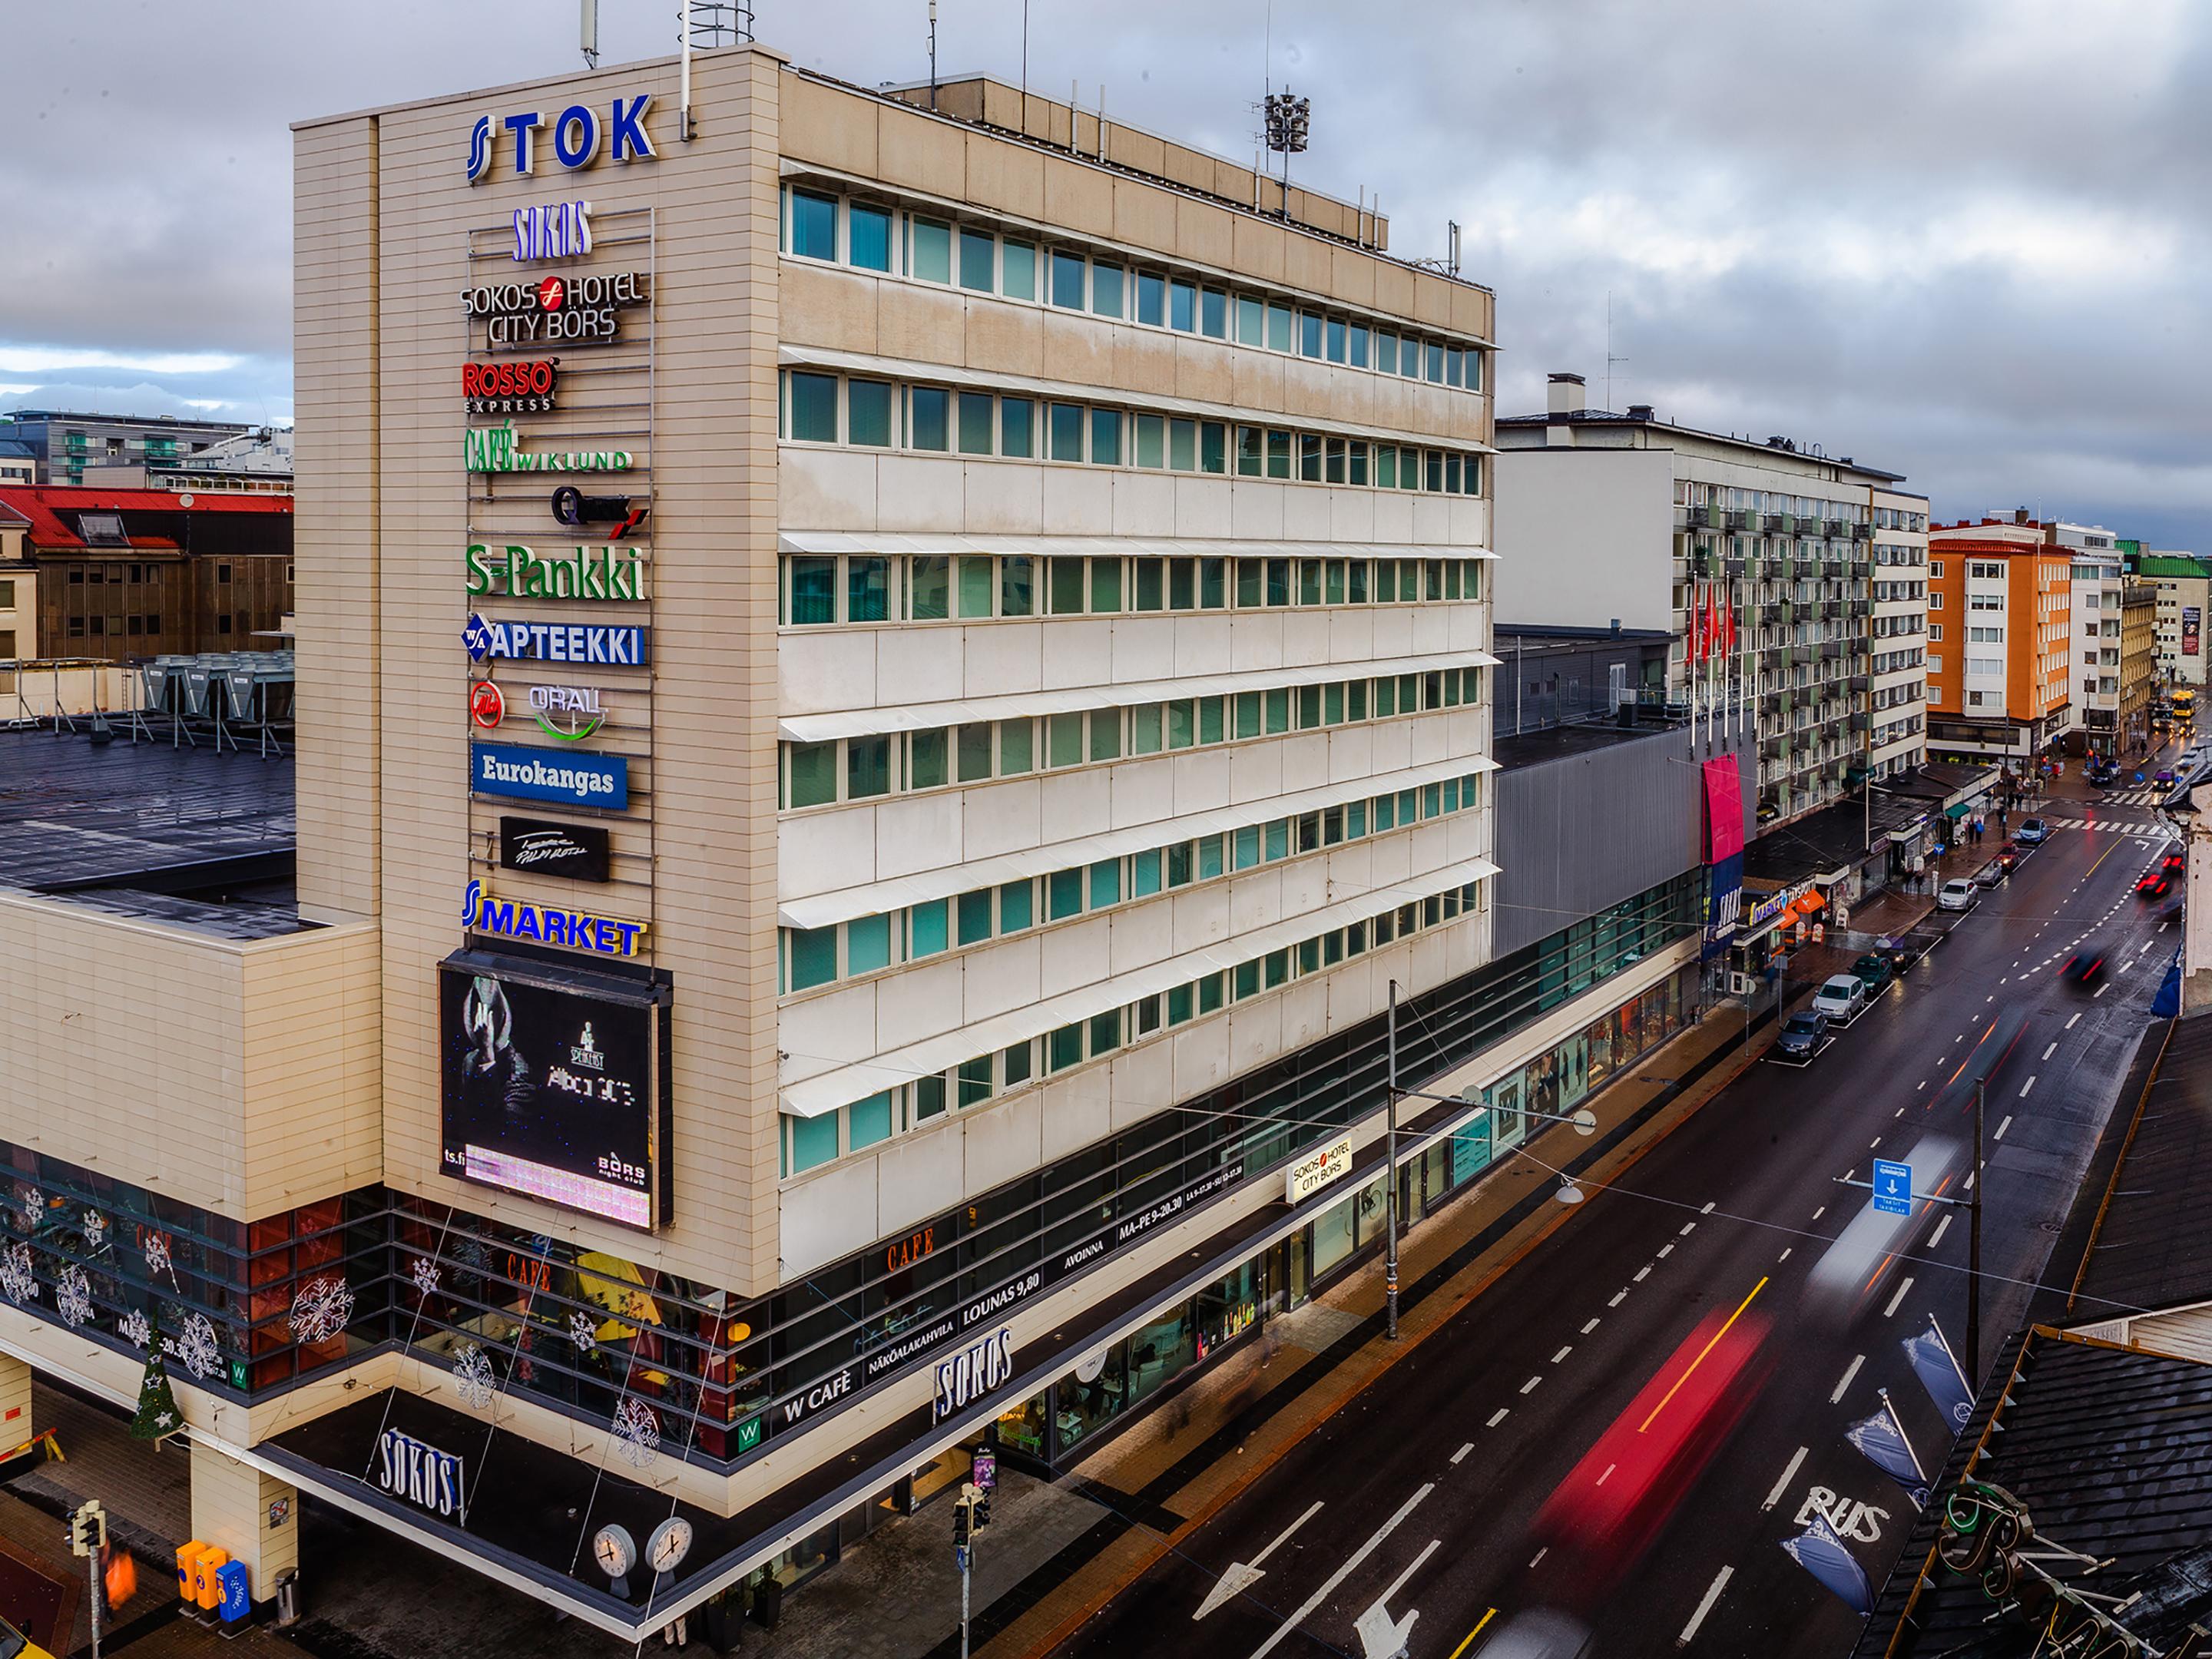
(1992, 873)
(1840, 996)
(1957, 894)
(1803, 1034)
(2103, 776)
(2033, 832)
(2085, 967)
(1875, 970)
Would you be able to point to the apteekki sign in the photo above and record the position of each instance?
(582, 573)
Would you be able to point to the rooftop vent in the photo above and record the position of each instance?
(1640, 412)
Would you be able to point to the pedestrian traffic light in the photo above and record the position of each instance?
(963, 1521)
(983, 1509)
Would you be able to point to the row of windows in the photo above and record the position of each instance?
(863, 767)
(136, 622)
(818, 225)
(885, 415)
(821, 956)
(1688, 492)
(819, 590)
(812, 1141)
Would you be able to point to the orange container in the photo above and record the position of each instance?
(207, 1591)
(187, 1555)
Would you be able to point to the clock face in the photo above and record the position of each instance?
(670, 1543)
(615, 1550)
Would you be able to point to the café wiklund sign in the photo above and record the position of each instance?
(499, 449)
(579, 573)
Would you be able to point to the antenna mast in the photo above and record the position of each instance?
(590, 33)
(1610, 360)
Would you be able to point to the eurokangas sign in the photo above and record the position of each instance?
(577, 135)
(583, 572)
(499, 449)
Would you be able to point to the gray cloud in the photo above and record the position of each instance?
(1956, 240)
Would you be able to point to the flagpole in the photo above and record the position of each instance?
(1897, 1423)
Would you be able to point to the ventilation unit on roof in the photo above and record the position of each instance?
(101, 530)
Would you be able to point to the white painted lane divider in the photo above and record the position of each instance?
(1666, 1251)
(1592, 1326)
(1850, 1372)
(1690, 1629)
(1688, 1227)
(2025, 1087)
(1342, 1572)
(1529, 1386)
(1562, 1354)
(2003, 1127)
(1818, 1213)
(1619, 1297)
(1708, 1210)
(1643, 1273)
(1496, 1418)
(2053, 1048)
(1784, 1256)
(1242, 1575)
(1942, 1227)
(1461, 1453)
(1782, 1486)
(1897, 1301)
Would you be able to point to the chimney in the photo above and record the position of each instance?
(1640, 412)
(2019, 515)
(1566, 394)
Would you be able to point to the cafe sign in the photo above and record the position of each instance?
(1316, 1171)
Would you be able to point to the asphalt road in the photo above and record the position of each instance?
(1423, 1495)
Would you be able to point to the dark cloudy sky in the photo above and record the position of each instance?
(1963, 239)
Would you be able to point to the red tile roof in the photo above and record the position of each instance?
(44, 507)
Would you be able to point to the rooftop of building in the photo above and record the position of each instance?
(1828, 839)
(2185, 566)
(1539, 743)
(55, 513)
(1557, 637)
(1642, 418)
(193, 421)
(185, 835)
(2108, 1451)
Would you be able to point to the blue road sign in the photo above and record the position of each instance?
(1892, 1187)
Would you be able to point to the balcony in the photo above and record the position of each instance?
(1832, 650)
(1838, 527)
(1859, 682)
(1861, 532)
(1736, 518)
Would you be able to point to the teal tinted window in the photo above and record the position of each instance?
(868, 413)
(813, 773)
(1017, 270)
(1212, 448)
(1067, 432)
(813, 1140)
(929, 587)
(976, 422)
(1064, 894)
(932, 420)
(869, 1121)
(813, 225)
(1105, 884)
(869, 231)
(1213, 314)
(1251, 321)
(973, 916)
(1067, 280)
(1152, 299)
(1106, 290)
(868, 944)
(814, 407)
(1106, 437)
(926, 761)
(1309, 330)
(927, 927)
(1017, 903)
(1183, 446)
(813, 591)
(813, 956)
(867, 767)
(932, 251)
(1015, 415)
(1151, 434)
(867, 588)
(1183, 306)
(1279, 328)
(979, 264)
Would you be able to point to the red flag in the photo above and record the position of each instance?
(1728, 630)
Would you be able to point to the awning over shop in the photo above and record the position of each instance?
(1811, 904)
(1959, 811)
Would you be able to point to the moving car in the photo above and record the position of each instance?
(2164, 775)
(1840, 997)
(2085, 967)
(1875, 970)
(1958, 894)
(2103, 775)
(2161, 877)
(1803, 1034)
(2033, 832)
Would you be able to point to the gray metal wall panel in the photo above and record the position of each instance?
(1579, 833)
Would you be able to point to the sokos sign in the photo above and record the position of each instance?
(422, 1475)
(577, 135)
(974, 1371)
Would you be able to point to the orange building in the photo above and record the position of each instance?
(2000, 605)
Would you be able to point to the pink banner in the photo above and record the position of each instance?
(1723, 809)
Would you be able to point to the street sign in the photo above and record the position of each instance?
(1892, 1187)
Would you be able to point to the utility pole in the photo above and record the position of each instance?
(1974, 1251)
(1390, 1174)
(87, 1536)
(964, 1549)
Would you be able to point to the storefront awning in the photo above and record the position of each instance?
(1810, 904)
(1954, 813)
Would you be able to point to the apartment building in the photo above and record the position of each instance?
(1999, 669)
(61, 444)
(1817, 562)
(2182, 584)
(856, 834)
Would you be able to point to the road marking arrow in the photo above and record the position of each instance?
(1241, 1576)
(1382, 1637)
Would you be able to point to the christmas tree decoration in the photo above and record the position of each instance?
(158, 1416)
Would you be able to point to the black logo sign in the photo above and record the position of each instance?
(545, 849)
(572, 507)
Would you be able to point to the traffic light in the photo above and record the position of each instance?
(983, 1509)
(88, 1529)
(963, 1514)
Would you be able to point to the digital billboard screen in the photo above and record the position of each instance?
(554, 1085)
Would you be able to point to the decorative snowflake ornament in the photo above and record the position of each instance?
(18, 1282)
(134, 1329)
(472, 1377)
(73, 1296)
(197, 1347)
(95, 1230)
(157, 1257)
(583, 1332)
(637, 1432)
(33, 1203)
(322, 1309)
(425, 1274)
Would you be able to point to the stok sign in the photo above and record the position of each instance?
(584, 572)
(514, 387)
(548, 924)
(422, 1475)
(605, 644)
(577, 133)
(499, 449)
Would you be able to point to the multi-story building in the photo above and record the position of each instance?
(19, 589)
(857, 918)
(19, 462)
(1818, 559)
(258, 460)
(119, 574)
(2183, 583)
(1998, 684)
(63, 445)
(2139, 679)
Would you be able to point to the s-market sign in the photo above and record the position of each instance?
(576, 137)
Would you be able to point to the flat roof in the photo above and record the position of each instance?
(1551, 743)
(183, 835)
(1605, 417)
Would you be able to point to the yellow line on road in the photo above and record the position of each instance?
(1701, 1353)
(2101, 857)
(1472, 1634)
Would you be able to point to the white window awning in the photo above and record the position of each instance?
(826, 1091)
(906, 368)
(872, 898)
(1021, 704)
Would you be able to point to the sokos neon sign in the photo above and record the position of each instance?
(577, 132)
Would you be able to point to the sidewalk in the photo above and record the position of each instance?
(1174, 1470)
